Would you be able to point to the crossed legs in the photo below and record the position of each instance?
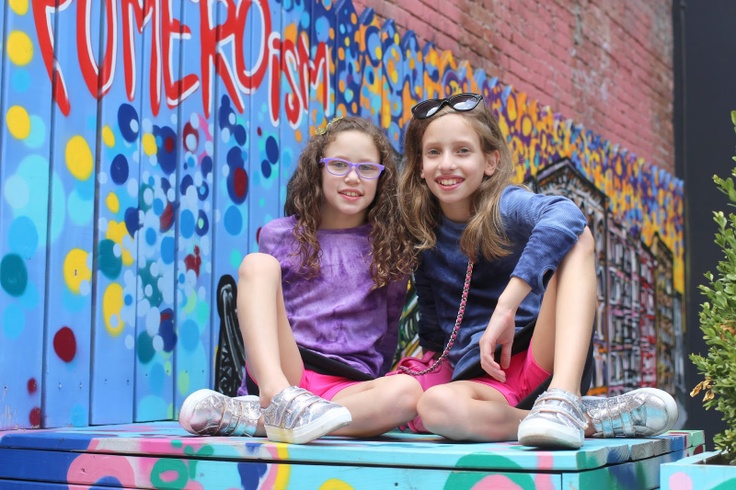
(275, 363)
(465, 410)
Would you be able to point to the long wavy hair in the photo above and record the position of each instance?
(421, 210)
(392, 257)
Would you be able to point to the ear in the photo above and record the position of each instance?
(421, 173)
(492, 162)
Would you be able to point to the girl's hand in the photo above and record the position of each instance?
(500, 331)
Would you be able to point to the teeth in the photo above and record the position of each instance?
(448, 181)
(351, 194)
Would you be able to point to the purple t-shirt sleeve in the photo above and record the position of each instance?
(272, 235)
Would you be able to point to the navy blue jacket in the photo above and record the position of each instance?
(541, 229)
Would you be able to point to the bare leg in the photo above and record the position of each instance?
(379, 405)
(566, 317)
(468, 411)
(270, 349)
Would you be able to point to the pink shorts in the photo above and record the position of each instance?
(522, 376)
(323, 385)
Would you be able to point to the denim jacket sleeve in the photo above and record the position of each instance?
(545, 228)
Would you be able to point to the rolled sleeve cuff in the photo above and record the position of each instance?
(542, 255)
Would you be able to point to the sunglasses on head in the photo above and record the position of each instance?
(459, 102)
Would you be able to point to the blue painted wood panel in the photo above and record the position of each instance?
(24, 213)
(265, 101)
(72, 225)
(159, 200)
(194, 349)
(118, 222)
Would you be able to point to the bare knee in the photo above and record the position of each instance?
(406, 392)
(446, 412)
(586, 242)
(440, 410)
(257, 266)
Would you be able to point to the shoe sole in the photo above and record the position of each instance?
(547, 436)
(329, 422)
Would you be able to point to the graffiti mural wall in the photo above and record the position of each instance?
(145, 142)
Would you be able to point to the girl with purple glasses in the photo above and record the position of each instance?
(319, 305)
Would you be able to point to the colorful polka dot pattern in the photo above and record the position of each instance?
(141, 207)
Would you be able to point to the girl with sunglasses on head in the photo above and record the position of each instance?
(499, 264)
(319, 305)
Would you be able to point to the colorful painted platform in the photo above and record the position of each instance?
(705, 471)
(162, 455)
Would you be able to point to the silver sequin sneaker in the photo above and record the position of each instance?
(639, 413)
(209, 413)
(297, 416)
(556, 421)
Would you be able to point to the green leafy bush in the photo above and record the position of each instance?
(718, 324)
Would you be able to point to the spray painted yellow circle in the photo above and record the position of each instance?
(18, 121)
(20, 48)
(19, 7)
(76, 270)
(335, 484)
(112, 305)
(79, 158)
(149, 144)
(113, 203)
(107, 136)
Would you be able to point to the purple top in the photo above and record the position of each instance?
(337, 313)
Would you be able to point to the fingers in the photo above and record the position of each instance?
(490, 366)
(487, 360)
(505, 355)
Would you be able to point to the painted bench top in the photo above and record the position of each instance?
(140, 455)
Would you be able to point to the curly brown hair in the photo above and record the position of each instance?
(421, 209)
(392, 256)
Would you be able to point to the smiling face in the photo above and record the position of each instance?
(453, 164)
(347, 197)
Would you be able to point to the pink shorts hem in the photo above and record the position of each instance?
(522, 376)
(323, 385)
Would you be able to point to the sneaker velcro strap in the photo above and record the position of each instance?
(616, 414)
(293, 407)
(571, 410)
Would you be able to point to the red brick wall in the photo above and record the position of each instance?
(606, 64)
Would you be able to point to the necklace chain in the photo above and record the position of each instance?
(458, 321)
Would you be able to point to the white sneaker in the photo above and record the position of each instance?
(644, 412)
(209, 413)
(556, 421)
(297, 416)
